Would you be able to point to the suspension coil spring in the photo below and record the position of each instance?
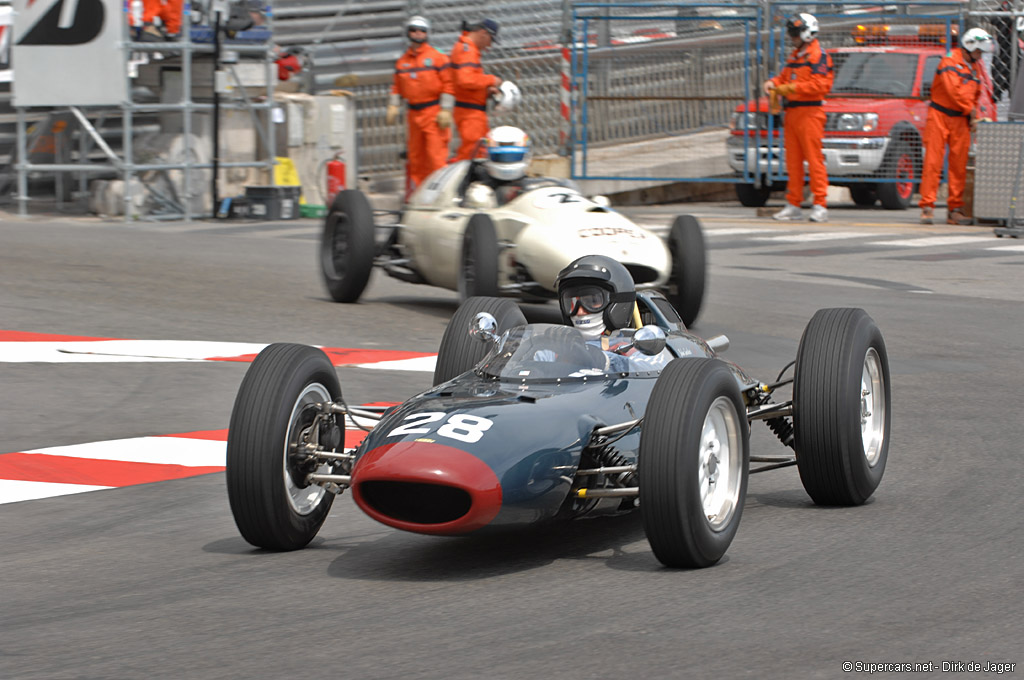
(609, 456)
(783, 429)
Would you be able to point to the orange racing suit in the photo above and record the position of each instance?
(470, 83)
(422, 76)
(169, 12)
(809, 71)
(955, 94)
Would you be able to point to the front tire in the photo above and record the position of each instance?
(863, 195)
(841, 407)
(272, 505)
(693, 463)
(689, 267)
(459, 351)
(347, 246)
(478, 266)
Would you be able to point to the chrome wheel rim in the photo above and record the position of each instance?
(872, 407)
(302, 499)
(720, 461)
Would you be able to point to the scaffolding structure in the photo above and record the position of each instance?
(223, 56)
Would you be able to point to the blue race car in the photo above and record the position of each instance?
(528, 423)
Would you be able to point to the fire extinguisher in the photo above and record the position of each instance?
(335, 178)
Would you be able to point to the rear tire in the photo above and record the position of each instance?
(272, 506)
(347, 246)
(459, 351)
(689, 267)
(693, 463)
(478, 266)
(752, 196)
(841, 407)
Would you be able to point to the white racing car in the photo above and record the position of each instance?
(459, 233)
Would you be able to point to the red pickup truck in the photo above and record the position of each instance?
(875, 121)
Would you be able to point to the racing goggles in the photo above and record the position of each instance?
(591, 299)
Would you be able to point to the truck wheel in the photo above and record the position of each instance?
(347, 245)
(693, 463)
(685, 289)
(863, 195)
(478, 266)
(901, 162)
(459, 351)
(841, 407)
(752, 196)
(273, 506)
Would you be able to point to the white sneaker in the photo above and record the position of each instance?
(790, 212)
(819, 213)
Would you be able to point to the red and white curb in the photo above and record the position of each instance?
(22, 347)
(63, 470)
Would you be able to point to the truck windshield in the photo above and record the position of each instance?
(884, 74)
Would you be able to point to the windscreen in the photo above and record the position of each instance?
(548, 353)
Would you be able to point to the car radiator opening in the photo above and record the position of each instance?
(415, 502)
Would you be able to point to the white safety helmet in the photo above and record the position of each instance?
(803, 26)
(508, 153)
(977, 39)
(508, 97)
(417, 22)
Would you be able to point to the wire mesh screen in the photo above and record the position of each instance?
(526, 53)
(656, 86)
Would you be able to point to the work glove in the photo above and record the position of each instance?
(785, 89)
(392, 114)
(774, 103)
(444, 119)
(347, 80)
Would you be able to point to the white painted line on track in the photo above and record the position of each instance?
(928, 241)
(1014, 249)
(813, 236)
(736, 231)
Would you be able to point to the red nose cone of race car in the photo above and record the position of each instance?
(427, 488)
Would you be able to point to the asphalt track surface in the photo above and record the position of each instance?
(152, 580)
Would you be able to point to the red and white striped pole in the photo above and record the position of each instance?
(566, 96)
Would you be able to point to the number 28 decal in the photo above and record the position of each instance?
(462, 427)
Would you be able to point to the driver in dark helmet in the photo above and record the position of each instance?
(597, 295)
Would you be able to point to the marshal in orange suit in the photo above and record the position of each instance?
(472, 86)
(804, 82)
(423, 79)
(956, 92)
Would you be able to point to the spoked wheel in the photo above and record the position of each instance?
(693, 463)
(841, 407)
(478, 266)
(347, 246)
(459, 351)
(273, 418)
(897, 195)
(689, 267)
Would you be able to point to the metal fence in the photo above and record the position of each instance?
(656, 85)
